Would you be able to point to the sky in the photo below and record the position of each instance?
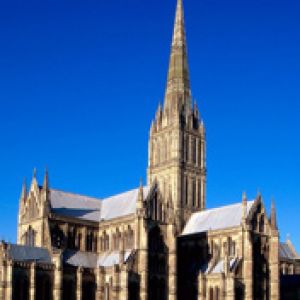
(80, 82)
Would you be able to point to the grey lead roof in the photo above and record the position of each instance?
(286, 252)
(93, 209)
(92, 260)
(26, 253)
(216, 218)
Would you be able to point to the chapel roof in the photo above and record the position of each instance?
(27, 253)
(216, 218)
(94, 209)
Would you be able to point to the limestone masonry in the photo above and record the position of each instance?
(158, 241)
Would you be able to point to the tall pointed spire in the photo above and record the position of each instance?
(178, 92)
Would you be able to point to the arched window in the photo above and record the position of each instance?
(211, 294)
(78, 241)
(262, 224)
(186, 190)
(30, 237)
(106, 292)
(194, 193)
(129, 242)
(71, 238)
(89, 241)
(57, 237)
(95, 243)
(217, 293)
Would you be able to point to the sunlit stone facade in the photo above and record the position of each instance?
(156, 242)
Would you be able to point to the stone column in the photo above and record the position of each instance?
(172, 260)
(58, 278)
(201, 287)
(100, 281)
(116, 283)
(248, 264)
(274, 266)
(123, 283)
(9, 281)
(79, 283)
(2, 276)
(32, 281)
(230, 291)
(142, 252)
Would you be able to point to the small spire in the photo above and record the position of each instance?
(273, 216)
(34, 173)
(244, 197)
(244, 205)
(24, 190)
(141, 192)
(258, 195)
(46, 179)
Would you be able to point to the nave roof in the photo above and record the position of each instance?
(94, 209)
(216, 218)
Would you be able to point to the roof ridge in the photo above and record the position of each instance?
(122, 193)
(224, 206)
(77, 194)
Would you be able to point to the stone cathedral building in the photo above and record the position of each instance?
(157, 242)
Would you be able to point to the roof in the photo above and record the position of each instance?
(94, 209)
(76, 206)
(216, 218)
(92, 260)
(287, 251)
(26, 253)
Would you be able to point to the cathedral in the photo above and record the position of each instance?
(158, 241)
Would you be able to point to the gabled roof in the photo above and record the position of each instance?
(216, 218)
(287, 251)
(26, 253)
(76, 206)
(93, 209)
(93, 260)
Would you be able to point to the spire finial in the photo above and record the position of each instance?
(34, 173)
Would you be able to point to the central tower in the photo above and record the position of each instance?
(177, 144)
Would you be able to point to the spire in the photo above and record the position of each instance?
(273, 216)
(178, 85)
(141, 193)
(244, 206)
(46, 180)
(24, 190)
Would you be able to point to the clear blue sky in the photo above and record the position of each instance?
(80, 82)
